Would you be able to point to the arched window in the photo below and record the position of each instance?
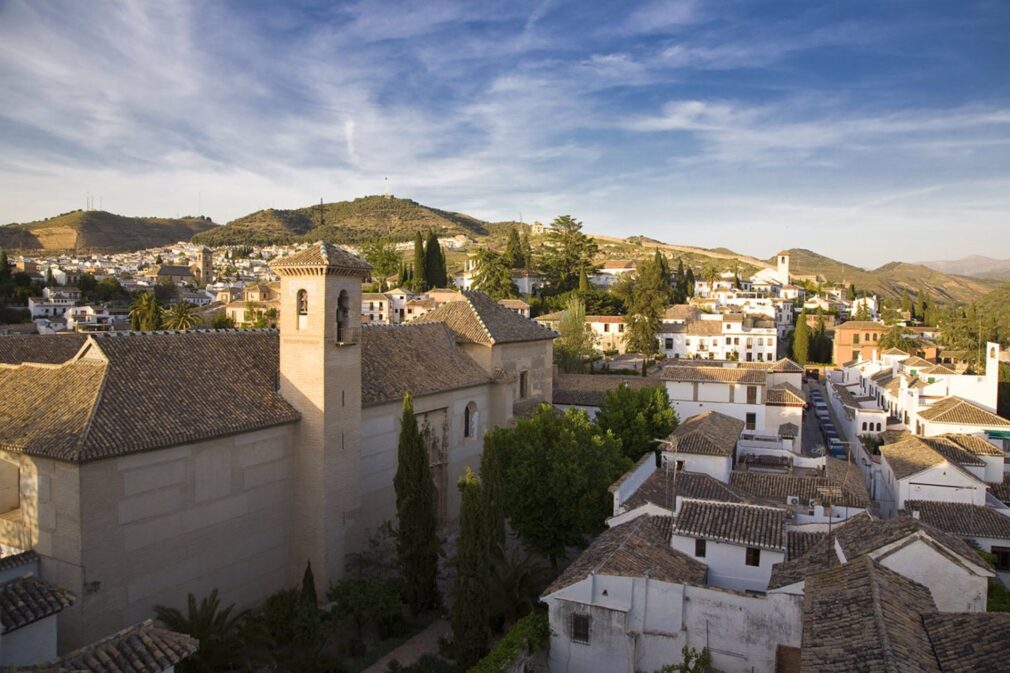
(878, 427)
(470, 420)
(864, 426)
(303, 309)
(343, 318)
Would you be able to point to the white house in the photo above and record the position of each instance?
(986, 527)
(54, 302)
(612, 271)
(704, 443)
(729, 336)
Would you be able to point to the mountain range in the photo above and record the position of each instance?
(974, 265)
(100, 231)
(370, 217)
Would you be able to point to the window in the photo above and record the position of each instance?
(1002, 555)
(343, 318)
(470, 420)
(752, 395)
(855, 338)
(753, 557)
(620, 327)
(699, 548)
(878, 427)
(581, 626)
(751, 421)
(729, 341)
(669, 343)
(864, 426)
(303, 309)
(523, 385)
(606, 327)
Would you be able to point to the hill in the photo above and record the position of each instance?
(977, 266)
(892, 279)
(356, 221)
(99, 231)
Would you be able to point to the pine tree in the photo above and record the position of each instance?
(434, 263)
(417, 542)
(419, 284)
(471, 609)
(309, 585)
(513, 250)
(801, 339)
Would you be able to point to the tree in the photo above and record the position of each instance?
(419, 260)
(157, 259)
(363, 601)
(5, 265)
(180, 315)
(820, 343)
(145, 314)
(491, 479)
(513, 254)
(527, 250)
(637, 417)
(692, 662)
(850, 292)
(434, 262)
(801, 339)
(567, 251)
(216, 629)
(417, 536)
(309, 585)
(920, 310)
(470, 608)
(900, 338)
(576, 339)
(863, 311)
(492, 276)
(690, 283)
(649, 296)
(383, 257)
(165, 291)
(583, 281)
(557, 469)
(517, 581)
(50, 279)
(223, 321)
(906, 303)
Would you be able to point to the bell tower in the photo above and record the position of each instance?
(320, 375)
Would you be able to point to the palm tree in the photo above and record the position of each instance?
(216, 629)
(180, 315)
(517, 581)
(144, 312)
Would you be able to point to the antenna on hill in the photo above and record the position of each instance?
(388, 194)
(322, 219)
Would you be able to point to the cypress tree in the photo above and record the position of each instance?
(906, 302)
(470, 608)
(583, 281)
(513, 250)
(309, 585)
(491, 471)
(801, 339)
(419, 268)
(690, 283)
(920, 311)
(434, 266)
(5, 264)
(527, 250)
(680, 284)
(417, 543)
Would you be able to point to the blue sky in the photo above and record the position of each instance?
(869, 131)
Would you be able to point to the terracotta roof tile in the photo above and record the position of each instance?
(18, 560)
(958, 411)
(970, 641)
(708, 433)
(861, 616)
(421, 358)
(798, 543)
(142, 648)
(590, 390)
(777, 487)
(752, 525)
(716, 374)
(665, 484)
(480, 319)
(961, 519)
(914, 454)
(50, 349)
(28, 599)
(324, 255)
(785, 394)
(632, 549)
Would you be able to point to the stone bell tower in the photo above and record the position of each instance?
(320, 375)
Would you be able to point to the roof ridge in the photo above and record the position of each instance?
(878, 617)
(638, 523)
(467, 295)
(92, 412)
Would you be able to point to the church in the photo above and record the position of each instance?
(143, 466)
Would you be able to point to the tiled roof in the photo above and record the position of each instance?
(958, 411)
(680, 312)
(752, 525)
(968, 642)
(937, 370)
(50, 349)
(701, 374)
(894, 351)
(915, 454)
(1002, 491)
(787, 366)
(29, 599)
(798, 543)
(861, 616)
(915, 362)
(961, 519)
(777, 487)
(708, 433)
(142, 648)
(861, 324)
(133, 392)
(17, 560)
(785, 394)
(420, 358)
(704, 327)
(480, 319)
(665, 484)
(632, 549)
(590, 390)
(324, 255)
(973, 444)
(818, 556)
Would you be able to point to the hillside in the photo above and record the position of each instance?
(99, 231)
(354, 221)
(976, 266)
(891, 279)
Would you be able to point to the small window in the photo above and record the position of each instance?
(751, 421)
(1002, 555)
(855, 338)
(753, 556)
(752, 395)
(864, 426)
(699, 548)
(470, 420)
(620, 327)
(669, 344)
(606, 327)
(523, 385)
(581, 627)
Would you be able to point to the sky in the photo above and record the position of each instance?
(868, 131)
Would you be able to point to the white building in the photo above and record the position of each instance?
(612, 271)
(730, 336)
(54, 302)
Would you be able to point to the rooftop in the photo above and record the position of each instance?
(708, 433)
(751, 525)
(480, 319)
(28, 599)
(665, 484)
(961, 519)
(957, 411)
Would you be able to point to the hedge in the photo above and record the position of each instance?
(531, 632)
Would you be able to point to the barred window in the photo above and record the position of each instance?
(581, 627)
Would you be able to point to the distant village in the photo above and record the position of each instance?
(755, 472)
